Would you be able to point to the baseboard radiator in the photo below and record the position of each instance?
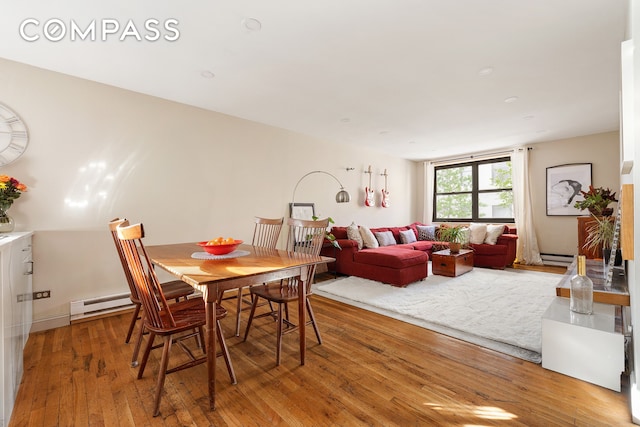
(554, 259)
(98, 306)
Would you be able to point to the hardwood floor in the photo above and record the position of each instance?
(370, 370)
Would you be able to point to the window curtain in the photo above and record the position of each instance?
(527, 251)
(428, 194)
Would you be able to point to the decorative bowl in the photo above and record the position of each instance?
(220, 249)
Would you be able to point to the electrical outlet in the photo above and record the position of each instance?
(41, 294)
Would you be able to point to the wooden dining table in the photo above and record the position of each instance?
(210, 276)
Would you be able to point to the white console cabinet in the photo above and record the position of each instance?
(16, 269)
(587, 347)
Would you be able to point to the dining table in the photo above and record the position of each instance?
(247, 265)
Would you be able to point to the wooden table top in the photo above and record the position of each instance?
(177, 260)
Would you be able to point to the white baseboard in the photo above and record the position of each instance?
(50, 323)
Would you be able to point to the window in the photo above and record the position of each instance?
(474, 192)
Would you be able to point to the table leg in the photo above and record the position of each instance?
(302, 311)
(210, 295)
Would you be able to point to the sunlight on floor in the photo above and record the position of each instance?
(470, 411)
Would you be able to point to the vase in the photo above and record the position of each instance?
(6, 222)
(606, 255)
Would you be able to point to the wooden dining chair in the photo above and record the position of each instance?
(173, 322)
(304, 237)
(265, 235)
(173, 290)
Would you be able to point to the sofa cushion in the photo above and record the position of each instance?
(339, 232)
(385, 238)
(368, 238)
(426, 232)
(493, 232)
(390, 257)
(423, 245)
(477, 233)
(407, 236)
(484, 249)
(354, 234)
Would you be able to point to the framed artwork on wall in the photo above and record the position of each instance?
(564, 183)
(302, 211)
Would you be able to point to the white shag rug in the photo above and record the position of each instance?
(497, 309)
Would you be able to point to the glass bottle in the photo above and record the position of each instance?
(581, 289)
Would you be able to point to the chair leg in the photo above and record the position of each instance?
(313, 321)
(132, 324)
(136, 349)
(145, 356)
(162, 373)
(253, 310)
(279, 335)
(238, 311)
(225, 354)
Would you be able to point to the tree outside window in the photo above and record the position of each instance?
(474, 191)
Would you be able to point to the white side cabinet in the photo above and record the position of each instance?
(587, 347)
(16, 269)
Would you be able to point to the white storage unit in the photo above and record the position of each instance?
(587, 347)
(16, 269)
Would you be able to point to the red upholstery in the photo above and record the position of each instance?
(402, 264)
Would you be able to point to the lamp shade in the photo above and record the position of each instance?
(343, 196)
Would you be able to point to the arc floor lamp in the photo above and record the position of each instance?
(342, 196)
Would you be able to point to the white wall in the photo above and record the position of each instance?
(186, 173)
(559, 234)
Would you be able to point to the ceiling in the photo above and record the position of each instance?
(417, 79)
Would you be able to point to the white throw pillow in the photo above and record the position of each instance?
(466, 234)
(385, 238)
(477, 233)
(368, 239)
(493, 232)
(354, 234)
(407, 236)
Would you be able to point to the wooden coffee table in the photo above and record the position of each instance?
(444, 263)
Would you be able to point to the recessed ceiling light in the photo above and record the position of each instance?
(511, 99)
(485, 71)
(345, 120)
(384, 132)
(207, 74)
(412, 142)
(528, 117)
(251, 24)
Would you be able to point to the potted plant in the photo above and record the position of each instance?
(600, 234)
(597, 201)
(455, 235)
(328, 235)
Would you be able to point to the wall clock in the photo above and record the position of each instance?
(13, 136)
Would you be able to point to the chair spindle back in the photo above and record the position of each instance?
(266, 232)
(144, 277)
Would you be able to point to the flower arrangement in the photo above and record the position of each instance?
(10, 190)
(597, 201)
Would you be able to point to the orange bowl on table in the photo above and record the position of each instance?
(220, 249)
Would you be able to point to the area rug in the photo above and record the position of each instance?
(497, 309)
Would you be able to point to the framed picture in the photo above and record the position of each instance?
(302, 211)
(564, 183)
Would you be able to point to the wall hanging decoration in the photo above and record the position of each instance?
(385, 193)
(368, 191)
(564, 183)
(14, 136)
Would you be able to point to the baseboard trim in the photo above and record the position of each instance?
(50, 323)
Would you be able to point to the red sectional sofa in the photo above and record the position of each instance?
(401, 264)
